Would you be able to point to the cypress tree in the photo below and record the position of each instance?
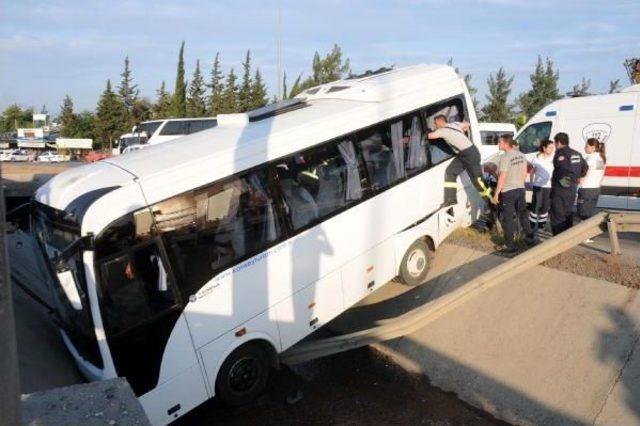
(128, 93)
(67, 118)
(214, 101)
(258, 91)
(196, 106)
(180, 92)
(162, 107)
(229, 102)
(498, 108)
(244, 93)
(285, 95)
(109, 117)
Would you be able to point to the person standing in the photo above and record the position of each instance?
(569, 168)
(468, 159)
(589, 190)
(541, 173)
(510, 193)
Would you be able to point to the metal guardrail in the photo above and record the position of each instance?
(420, 317)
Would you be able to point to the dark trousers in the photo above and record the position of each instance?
(469, 160)
(540, 205)
(587, 202)
(514, 209)
(562, 200)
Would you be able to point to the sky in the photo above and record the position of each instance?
(49, 49)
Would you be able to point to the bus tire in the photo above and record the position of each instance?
(415, 264)
(243, 375)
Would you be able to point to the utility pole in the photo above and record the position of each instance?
(9, 378)
(279, 52)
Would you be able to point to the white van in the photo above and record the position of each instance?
(187, 268)
(613, 119)
(489, 134)
(158, 131)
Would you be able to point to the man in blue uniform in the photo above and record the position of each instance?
(568, 170)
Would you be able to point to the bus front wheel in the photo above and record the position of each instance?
(243, 375)
(415, 264)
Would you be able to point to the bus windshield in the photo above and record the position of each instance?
(69, 295)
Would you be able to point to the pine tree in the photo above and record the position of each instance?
(544, 88)
(244, 92)
(12, 118)
(214, 101)
(162, 107)
(142, 110)
(109, 117)
(67, 118)
(580, 89)
(128, 93)
(85, 125)
(614, 86)
(196, 106)
(498, 108)
(324, 70)
(180, 92)
(258, 91)
(229, 98)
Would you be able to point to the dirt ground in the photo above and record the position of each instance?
(357, 387)
(621, 269)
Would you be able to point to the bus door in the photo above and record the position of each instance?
(140, 308)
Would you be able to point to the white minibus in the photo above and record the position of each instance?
(158, 131)
(187, 268)
(613, 119)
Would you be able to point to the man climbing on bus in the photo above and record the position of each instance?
(468, 159)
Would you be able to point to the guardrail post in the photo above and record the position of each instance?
(613, 236)
(9, 378)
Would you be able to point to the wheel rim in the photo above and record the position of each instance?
(416, 263)
(244, 375)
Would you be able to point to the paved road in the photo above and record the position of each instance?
(546, 347)
(358, 387)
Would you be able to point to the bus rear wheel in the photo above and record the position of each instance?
(243, 375)
(415, 264)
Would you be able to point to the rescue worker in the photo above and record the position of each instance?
(468, 159)
(569, 169)
(510, 193)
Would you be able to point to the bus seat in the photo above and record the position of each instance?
(330, 189)
(302, 205)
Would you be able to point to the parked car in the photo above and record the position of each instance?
(20, 155)
(5, 154)
(52, 157)
(136, 147)
(93, 156)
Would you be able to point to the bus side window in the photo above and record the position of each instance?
(135, 288)
(415, 145)
(454, 111)
(319, 181)
(377, 148)
(216, 226)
